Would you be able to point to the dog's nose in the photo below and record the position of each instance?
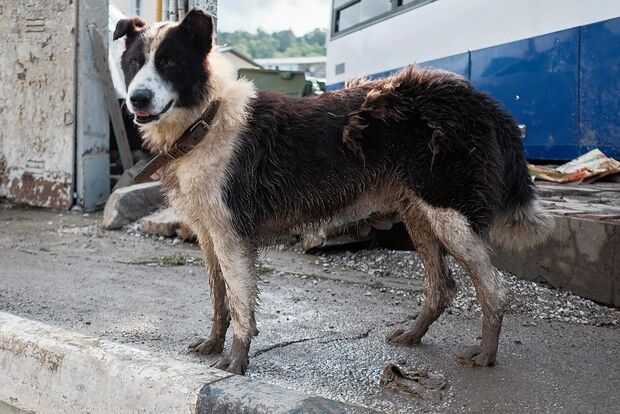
(141, 98)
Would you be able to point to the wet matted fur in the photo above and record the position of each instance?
(422, 143)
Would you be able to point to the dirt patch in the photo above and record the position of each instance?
(51, 360)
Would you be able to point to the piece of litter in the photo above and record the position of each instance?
(588, 167)
(419, 382)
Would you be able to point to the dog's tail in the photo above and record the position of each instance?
(521, 221)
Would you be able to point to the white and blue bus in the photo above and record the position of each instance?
(555, 64)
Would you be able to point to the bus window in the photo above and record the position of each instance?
(350, 13)
(348, 16)
(408, 2)
(374, 8)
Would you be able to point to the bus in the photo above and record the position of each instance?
(555, 64)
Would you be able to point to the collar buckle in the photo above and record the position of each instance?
(200, 122)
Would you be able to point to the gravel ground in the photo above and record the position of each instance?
(527, 298)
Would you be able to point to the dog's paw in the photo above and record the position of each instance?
(402, 337)
(234, 365)
(204, 346)
(475, 357)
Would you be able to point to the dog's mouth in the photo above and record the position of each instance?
(145, 117)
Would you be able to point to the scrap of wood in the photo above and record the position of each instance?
(116, 116)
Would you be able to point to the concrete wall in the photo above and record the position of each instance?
(38, 99)
(46, 53)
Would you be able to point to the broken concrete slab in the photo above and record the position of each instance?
(162, 223)
(581, 257)
(606, 192)
(129, 204)
(238, 394)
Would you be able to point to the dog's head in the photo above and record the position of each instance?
(165, 66)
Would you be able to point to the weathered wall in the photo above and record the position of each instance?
(37, 106)
(54, 136)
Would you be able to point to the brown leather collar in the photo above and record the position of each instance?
(190, 138)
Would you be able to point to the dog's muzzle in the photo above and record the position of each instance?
(145, 119)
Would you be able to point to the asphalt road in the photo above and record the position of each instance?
(321, 331)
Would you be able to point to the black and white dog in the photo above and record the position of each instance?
(422, 143)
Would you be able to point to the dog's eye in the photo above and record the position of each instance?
(167, 63)
(134, 63)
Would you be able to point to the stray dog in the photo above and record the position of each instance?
(422, 143)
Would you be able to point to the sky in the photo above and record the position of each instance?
(301, 16)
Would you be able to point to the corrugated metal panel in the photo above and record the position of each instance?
(37, 106)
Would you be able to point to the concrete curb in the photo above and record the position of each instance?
(51, 370)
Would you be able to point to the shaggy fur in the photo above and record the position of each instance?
(422, 143)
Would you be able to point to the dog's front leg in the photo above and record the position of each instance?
(237, 258)
(221, 316)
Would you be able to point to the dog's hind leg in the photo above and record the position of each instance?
(441, 285)
(237, 259)
(221, 316)
(471, 252)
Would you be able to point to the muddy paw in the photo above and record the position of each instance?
(204, 346)
(475, 357)
(403, 337)
(234, 365)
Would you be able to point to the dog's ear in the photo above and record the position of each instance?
(199, 27)
(128, 26)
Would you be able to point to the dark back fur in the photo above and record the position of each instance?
(304, 159)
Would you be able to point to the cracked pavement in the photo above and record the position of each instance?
(322, 326)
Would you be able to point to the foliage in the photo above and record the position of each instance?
(278, 44)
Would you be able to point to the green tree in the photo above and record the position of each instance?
(279, 44)
(285, 39)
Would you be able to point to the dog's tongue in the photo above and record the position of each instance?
(142, 114)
